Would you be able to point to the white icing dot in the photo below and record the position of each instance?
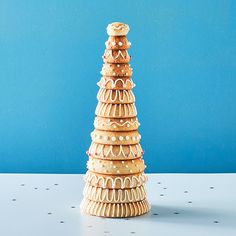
(130, 171)
(117, 171)
(122, 162)
(127, 137)
(127, 166)
(122, 70)
(111, 162)
(105, 137)
(137, 137)
(114, 167)
(121, 138)
(121, 121)
(125, 65)
(120, 43)
(113, 43)
(113, 138)
(118, 65)
(133, 137)
(114, 73)
(108, 120)
(128, 125)
(132, 161)
(131, 120)
(114, 126)
(126, 73)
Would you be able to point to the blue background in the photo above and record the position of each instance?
(184, 60)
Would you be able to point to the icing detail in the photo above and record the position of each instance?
(130, 181)
(103, 82)
(131, 151)
(114, 195)
(109, 53)
(113, 138)
(133, 167)
(115, 95)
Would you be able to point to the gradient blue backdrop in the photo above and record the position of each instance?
(184, 60)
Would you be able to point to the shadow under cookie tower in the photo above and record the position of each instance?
(115, 178)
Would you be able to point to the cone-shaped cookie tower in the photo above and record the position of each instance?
(115, 178)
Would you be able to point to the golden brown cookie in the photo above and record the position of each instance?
(117, 43)
(114, 209)
(116, 167)
(114, 124)
(110, 110)
(116, 70)
(115, 152)
(116, 56)
(115, 138)
(115, 96)
(115, 181)
(116, 83)
(117, 29)
(114, 195)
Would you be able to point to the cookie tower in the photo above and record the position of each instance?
(115, 178)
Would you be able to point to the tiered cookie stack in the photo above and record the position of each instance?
(115, 178)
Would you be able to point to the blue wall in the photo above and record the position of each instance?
(184, 60)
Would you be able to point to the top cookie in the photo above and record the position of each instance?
(117, 29)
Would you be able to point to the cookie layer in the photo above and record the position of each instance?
(117, 43)
(115, 138)
(114, 195)
(112, 124)
(115, 96)
(115, 152)
(117, 29)
(116, 56)
(114, 209)
(116, 83)
(110, 110)
(115, 182)
(116, 167)
(116, 70)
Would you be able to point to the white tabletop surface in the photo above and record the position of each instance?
(182, 204)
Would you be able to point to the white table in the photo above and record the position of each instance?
(182, 204)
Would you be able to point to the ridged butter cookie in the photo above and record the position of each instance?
(114, 209)
(115, 96)
(110, 110)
